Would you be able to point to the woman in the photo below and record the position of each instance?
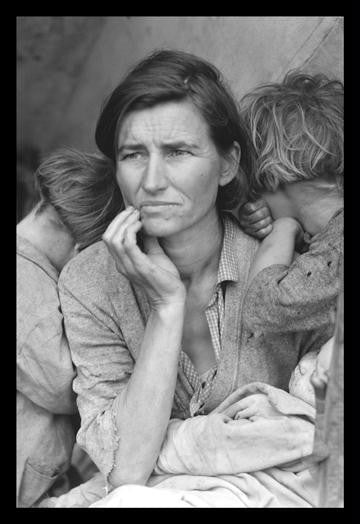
(153, 313)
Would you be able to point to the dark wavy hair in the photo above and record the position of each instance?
(171, 75)
(297, 130)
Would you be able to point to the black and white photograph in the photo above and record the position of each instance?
(179, 262)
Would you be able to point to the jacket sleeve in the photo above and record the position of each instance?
(103, 363)
(297, 298)
(213, 445)
(45, 371)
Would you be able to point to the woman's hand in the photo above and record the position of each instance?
(255, 219)
(255, 405)
(152, 270)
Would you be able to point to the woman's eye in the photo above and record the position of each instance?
(131, 156)
(179, 152)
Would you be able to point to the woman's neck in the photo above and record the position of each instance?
(196, 251)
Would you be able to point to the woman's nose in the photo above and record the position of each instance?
(154, 178)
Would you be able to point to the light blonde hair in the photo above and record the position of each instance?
(82, 189)
(296, 128)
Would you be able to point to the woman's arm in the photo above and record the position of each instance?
(143, 411)
(125, 406)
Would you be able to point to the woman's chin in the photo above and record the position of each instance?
(158, 228)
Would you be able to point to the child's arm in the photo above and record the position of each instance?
(290, 293)
(278, 247)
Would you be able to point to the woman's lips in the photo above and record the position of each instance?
(156, 207)
(157, 204)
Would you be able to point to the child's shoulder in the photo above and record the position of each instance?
(331, 236)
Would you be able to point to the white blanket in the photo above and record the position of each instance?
(216, 461)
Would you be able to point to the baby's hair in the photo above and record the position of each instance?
(82, 189)
(296, 128)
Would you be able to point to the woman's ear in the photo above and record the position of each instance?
(231, 163)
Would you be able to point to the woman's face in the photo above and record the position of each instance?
(168, 167)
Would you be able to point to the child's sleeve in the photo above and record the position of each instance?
(298, 297)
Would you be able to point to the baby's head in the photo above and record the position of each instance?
(297, 132)
(300, 381)
(314, 365)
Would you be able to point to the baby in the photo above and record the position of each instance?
(311, 372)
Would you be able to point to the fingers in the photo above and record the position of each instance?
(120, 239)
(238, 406)
(244, 413)
(151, 245)
(250, 207)
(255, 219)
(117, 221)
(114, 235)
(138, 261)
(259, 234)
(260, 224)
(257, 216)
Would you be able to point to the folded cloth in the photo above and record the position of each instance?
(218, 461)
(81, 496)
(268, 489)
(216, 444)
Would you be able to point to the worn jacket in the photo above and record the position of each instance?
(302, 296)
(44, 395)
(105, 317)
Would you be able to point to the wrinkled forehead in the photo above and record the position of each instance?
(167, 121)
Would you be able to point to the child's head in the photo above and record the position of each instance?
(81, 188)
(297, 132)
(313, 365)
(300, 381)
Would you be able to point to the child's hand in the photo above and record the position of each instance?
(254, 405)
(255, 219)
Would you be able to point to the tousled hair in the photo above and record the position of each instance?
(171, 75)
(296, 128)
(81, 187)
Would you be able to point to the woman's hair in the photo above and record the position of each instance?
(296, 128)
(170, 75)
(81, 187)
